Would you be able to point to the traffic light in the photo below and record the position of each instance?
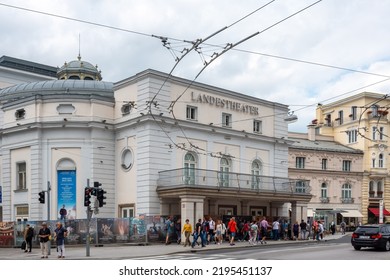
(42, 197)
(87, 196)
(96, 184)
(100, 197)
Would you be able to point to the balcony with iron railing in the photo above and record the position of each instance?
(218, 180)
(324, 199)
(347, 200)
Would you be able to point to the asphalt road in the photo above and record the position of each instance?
(339, 249)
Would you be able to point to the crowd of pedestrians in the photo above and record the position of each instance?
(207, 231)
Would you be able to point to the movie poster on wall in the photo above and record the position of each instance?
(106, 230)
(66, 202)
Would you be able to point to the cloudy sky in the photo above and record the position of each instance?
(330, 50)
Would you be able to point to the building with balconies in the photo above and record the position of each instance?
(158, 144)
(361, 122)
(335, 175)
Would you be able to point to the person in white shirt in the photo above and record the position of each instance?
(275, 230)
(211, 231)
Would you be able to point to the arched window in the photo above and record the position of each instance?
(189, 169)
(256, 171)
(74, 78)
(379, 191)
(371, 191)
(225, 166)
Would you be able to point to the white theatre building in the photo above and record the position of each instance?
(158, 144)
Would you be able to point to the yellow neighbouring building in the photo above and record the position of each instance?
(362, 122)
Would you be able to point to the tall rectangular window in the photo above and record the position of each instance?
(324, 190)
(226, 120)
(380, 161)
(341, 117)
(354, 113)
(324, 164)
(352, 136)
(346, 191)
(346, 165)
(257, 126)
(192, 113)
(300, 162)
(328, 120)
(300, 187)
(21, 176)
(381, 133)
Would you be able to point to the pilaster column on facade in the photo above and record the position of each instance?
(298, 211)
(276, 209)
(386, 196)
(244, 208)
(165, 207)
(365, 199)
(192, 209)
(212, 207)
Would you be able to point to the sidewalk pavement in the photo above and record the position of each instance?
(129, 251)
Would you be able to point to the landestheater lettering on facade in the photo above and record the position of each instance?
(224, 103)
(216, 152)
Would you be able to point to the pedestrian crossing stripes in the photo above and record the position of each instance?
(186, 256)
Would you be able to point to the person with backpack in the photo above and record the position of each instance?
(205, 230)
(211, 231)
(28, 236)
(169, 228)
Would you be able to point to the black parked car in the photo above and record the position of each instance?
(377, 236)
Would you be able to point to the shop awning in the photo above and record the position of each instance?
(351, 213)
(375, 211)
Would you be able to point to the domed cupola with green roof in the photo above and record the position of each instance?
(79, 70)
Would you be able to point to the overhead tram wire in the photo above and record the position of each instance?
(366, 107)
(345, 93)
(228, 47)
(182, 40)
(80, 20)
(126, 30)
(136, 32)
(195, 46)
(197, 43)
(313, 63)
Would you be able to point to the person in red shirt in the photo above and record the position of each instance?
(232, 227)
